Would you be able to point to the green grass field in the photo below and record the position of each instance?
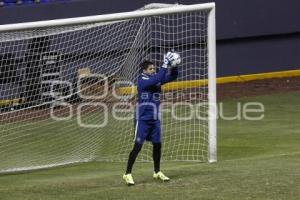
(256, 160)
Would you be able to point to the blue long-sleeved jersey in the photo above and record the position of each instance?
(149, 89)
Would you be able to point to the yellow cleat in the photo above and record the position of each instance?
(160, 176)
(128, 179)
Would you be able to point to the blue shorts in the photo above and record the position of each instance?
(148, 130)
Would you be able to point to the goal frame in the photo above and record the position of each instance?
(211, 47)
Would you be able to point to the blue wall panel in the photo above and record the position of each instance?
(258, 54)
(235, 18)
(253, 35)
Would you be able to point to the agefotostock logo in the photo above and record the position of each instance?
(126, 109)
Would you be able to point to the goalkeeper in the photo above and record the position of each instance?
(147, 123)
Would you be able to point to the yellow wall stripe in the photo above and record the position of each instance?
(229, 79)
(251, 77)
(197, 83)
(4, 102)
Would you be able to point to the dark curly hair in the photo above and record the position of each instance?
(146, 64)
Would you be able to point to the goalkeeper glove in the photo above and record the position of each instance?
(168, 59)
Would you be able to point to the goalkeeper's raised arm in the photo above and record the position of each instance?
(149, 77)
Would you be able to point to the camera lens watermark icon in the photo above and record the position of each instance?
(103, 114)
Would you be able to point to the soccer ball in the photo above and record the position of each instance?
(176, 61)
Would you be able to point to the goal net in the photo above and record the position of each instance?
(68, 87)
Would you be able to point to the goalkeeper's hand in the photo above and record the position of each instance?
(168, 59)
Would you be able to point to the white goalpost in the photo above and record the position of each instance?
(68, 86)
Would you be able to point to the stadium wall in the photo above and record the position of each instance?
(252, 36)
